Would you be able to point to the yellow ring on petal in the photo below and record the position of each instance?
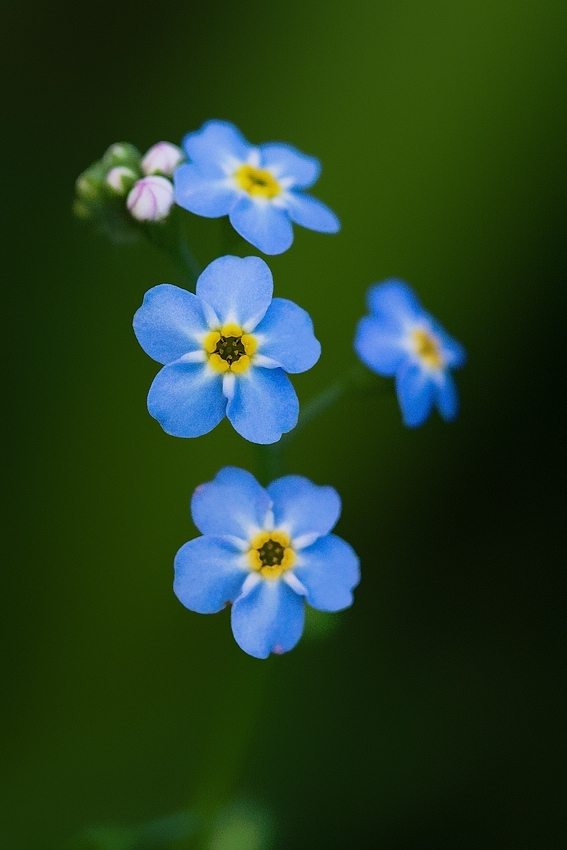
(229, 349)
(271, 554)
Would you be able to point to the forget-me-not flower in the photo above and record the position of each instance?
(401, 339)
(226, 351)
(259, 188)
(267, 551)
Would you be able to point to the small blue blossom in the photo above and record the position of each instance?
(226, 351)
(259, 188)
(267, 551)
(400, 339)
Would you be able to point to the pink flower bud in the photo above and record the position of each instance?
(150, 198)
(162, 158)
(121, 179)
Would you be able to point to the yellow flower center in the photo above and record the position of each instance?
(426, 347)
(230, 349)
(257, 181)
(271, 554)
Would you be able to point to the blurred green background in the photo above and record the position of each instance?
(432, 716)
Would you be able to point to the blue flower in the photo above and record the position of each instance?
(259, 188)
(226, 351)
(267, 551)
(401, 339)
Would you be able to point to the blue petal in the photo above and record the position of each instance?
(268, 619)
(454, 354)
(447, 397)
(262, 224)
(208, 574)
(288, 337)
(379, 345)
(187, 399)
(167, 322)
(215, 147)
(415, 389)
(202, 195)
(286, 161)
(329, 570)
(312, 213)
(304, 507)
(396, 299)
(264, 405)
(239, 290)
(232, 503)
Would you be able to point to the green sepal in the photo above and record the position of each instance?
(122, 153)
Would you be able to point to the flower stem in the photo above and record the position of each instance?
(355, 379)
(169, 236)
(238, 713)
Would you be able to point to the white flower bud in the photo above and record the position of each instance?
(162, 158)
(150, 199)
(121, 179)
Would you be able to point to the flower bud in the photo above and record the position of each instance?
(150, 199)
(121, 179)
(89, 184)
(122, 153)
(162, 158)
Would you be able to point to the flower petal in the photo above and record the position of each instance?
(329, 570)
(453, 352)
(396, 299)
(264, 225)
(238, 289)
(167, 322)
(379, 345)
(232, 503)
(186, 399)
(286, 161)
(264, 405)
(415, 390)
(311, 213)
(268, 619)
(302, 507)
(208, 574)
(215, 147)
(207, 196)
(447, 397)
(288, 337)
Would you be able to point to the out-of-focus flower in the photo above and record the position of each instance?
(226, 351)
(267, 551)
(259, 188)
(162, 158)
(150, 199)
(400, 339)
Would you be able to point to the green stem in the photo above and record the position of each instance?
(169, 236)
(355, 379)
(237, 717)
(188, 261)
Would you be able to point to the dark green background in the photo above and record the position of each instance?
(431, 718)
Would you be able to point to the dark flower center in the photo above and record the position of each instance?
(230, 348)
(271, 553)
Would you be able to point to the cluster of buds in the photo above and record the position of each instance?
(125, 187)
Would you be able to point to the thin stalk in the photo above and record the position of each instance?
(238, 714)
(355, 379)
